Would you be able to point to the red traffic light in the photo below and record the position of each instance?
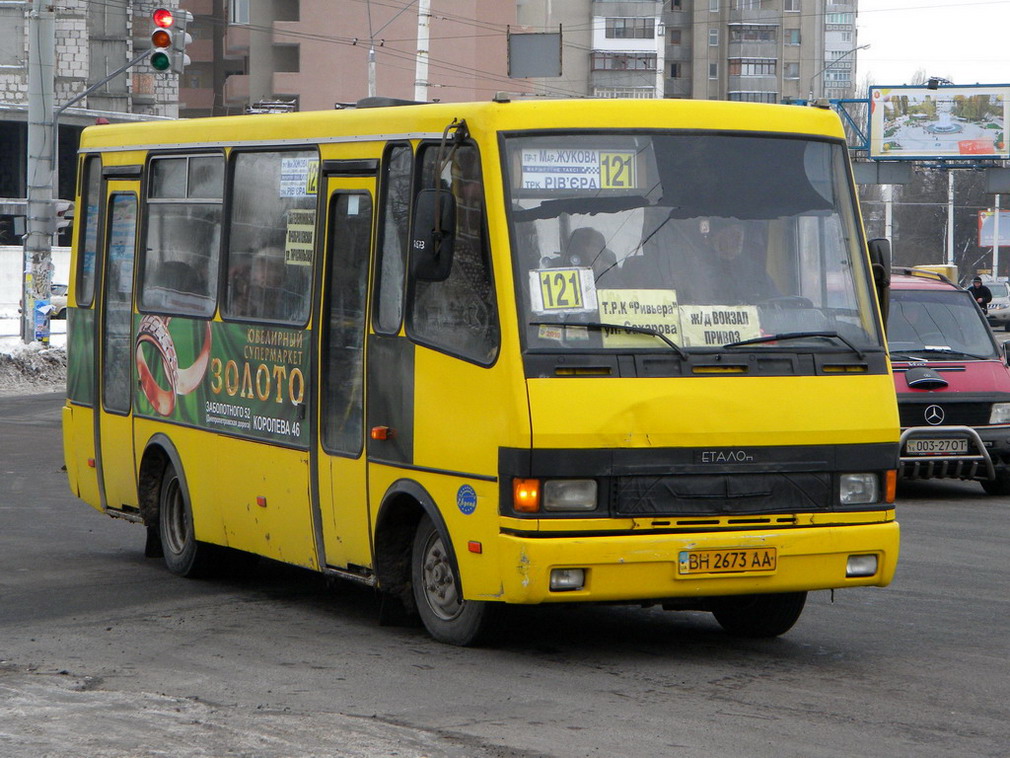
(162, 17)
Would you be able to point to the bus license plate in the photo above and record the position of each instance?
(941, 446)
(738, 561)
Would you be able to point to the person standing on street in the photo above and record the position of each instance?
(981, 293)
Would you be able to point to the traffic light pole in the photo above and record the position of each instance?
(44, 120)
(37, 268)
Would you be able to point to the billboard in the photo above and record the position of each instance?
(987, 228)
(947, 122)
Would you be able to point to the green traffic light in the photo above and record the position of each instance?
(160, 60)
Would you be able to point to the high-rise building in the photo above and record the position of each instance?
(315, 54)
(755, 50)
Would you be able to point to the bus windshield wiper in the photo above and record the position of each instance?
(636, 329)
(797, 336)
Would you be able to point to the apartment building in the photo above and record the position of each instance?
(752, 50)
(317, 54)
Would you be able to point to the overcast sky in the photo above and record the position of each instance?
(966, 41)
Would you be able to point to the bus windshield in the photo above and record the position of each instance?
(705, 239)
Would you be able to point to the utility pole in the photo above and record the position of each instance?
(421, 66)
(38, 239)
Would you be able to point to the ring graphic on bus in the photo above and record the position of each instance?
(154, 331)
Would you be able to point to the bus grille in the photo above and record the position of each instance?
(722, 494)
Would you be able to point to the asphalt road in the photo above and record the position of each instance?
(104, 654)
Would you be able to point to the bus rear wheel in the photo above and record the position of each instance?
(759, 616)
(183, 554)
(437, 593)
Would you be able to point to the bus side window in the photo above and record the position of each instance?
(271, 236)
(88, 242)
(344, 341)
(183, 236)
(393, 231)
(459, 315)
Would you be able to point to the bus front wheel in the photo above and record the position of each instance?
(759, 616)
(183, 554)
(435, 581)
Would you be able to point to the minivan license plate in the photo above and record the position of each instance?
(740, 560)
(941, 446)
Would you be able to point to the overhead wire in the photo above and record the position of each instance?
(390, 50)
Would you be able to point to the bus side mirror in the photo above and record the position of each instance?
(880, 265)
(432, 236)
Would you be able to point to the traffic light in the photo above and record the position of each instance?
(180, 38)
(169, 39)
(63, 213)
(161, 39)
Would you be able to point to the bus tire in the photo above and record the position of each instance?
(183, 554)
(435, 582)
(759, 616)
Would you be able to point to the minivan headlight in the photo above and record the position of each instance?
(858, 489)
(1000, 413)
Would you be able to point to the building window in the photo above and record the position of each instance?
(713, 70)
(238, 12)
(675, 70)
(839, 18)
(752, 33)
(624, 61)
(792, 36)
(713, 5)
(754, 97)
(790, 70)
(748, 5)
(630, 28)
(713, 38)
(675, 36)
(751, 67)
(12, 35)
(675, 5)
(792, 6)
(638, 93)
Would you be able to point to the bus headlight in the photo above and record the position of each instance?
(569, 495)
(1000, 413)
(858, 489)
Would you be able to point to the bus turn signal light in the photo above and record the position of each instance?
(526, 495)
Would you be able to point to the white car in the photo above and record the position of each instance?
(998, 313)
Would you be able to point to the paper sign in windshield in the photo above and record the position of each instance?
(578, 169)
(655, 310)
(562, 290)
(715, 325)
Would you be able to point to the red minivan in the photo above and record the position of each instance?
(953, 383)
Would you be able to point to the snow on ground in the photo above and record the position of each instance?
(31, 368)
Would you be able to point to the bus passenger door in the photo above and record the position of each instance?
(115, 337)
(343, 491)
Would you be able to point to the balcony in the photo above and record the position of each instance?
(236, 41)
(236, 89)
(752, 83)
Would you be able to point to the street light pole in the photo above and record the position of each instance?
(846, 54)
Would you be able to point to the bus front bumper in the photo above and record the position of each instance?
(641, 567)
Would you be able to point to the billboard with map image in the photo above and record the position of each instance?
(948, 122)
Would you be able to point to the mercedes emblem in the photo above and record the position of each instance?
(933, 414)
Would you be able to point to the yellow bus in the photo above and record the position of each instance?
(490, 353)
